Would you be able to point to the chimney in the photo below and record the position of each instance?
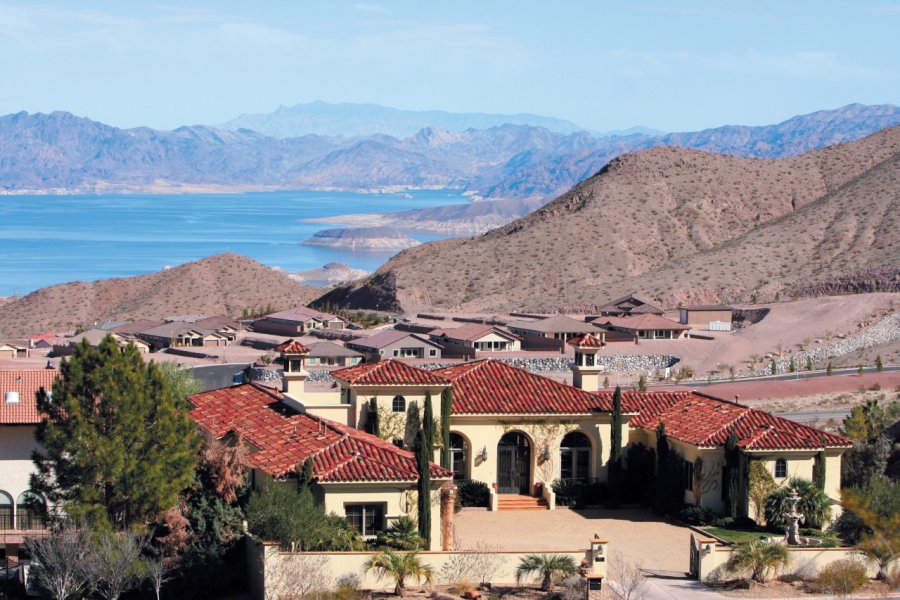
(586, 368)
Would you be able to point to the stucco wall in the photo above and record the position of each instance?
(16, 445)
(360, 396)
(280, 567)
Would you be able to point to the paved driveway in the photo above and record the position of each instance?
(636, 533)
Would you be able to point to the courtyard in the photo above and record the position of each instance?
(641, 536)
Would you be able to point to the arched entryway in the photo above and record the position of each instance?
(575, 457)
(459, 456)
(514, 464)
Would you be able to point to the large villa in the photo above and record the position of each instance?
(512, 429)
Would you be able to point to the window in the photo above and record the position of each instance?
(293, 365)
(688, 475)
(432, 352)
(780, 468)
(458, 456)
(575, 457)
(367, 519)
(29, 512)
(396, 352)
(399, 404)
(6, 511)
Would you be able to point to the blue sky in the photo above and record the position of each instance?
(672, 65)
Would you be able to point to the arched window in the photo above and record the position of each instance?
(781, 468)
(575, 457)
(458, 456)
(399, 404)
(29, 511)
(6, 511)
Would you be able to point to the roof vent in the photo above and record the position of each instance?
(11, 397)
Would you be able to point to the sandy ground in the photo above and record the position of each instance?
(636, 533)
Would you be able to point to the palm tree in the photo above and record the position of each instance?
(814, 503)
(759, 557)
(549, 567)
(394, 565)
(403, 534)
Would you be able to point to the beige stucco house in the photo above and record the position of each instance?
(479, 337)
(18, 419)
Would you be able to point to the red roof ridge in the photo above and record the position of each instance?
(292, 346)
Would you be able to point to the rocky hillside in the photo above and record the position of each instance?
(675, 224)
(63, 153)
(224, 284)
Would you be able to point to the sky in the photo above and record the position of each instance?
(671, 65)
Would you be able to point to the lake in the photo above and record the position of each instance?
(55, 239)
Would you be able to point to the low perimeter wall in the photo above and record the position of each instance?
(273, 573)
(804, 561)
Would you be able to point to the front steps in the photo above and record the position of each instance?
(519, 502)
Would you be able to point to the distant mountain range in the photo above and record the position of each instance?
(360, 120)
(673, 224)
(62, 153)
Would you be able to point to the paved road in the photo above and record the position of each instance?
(805, 416)
(790, 376)
(213, 377)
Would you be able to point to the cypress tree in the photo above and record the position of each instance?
(428, 425)
(117, 445)
(819, 471)
(615, 449)
(774, 368)
(306, 473)
(662, 463)
(733, 465)
(828, 368)
(373, 425)
(446, 409)
(642, 383)
(424, 489)
(879, 365)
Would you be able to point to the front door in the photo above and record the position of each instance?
(513, 464)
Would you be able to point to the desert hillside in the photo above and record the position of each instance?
(223, 284)
(677, 224)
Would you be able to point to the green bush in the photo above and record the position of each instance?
(568, 492)
(842, 577)
(696, 515)
(474, 494)
(735, 523)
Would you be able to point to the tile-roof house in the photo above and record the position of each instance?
(479, 336)
(645, 326)
(181, 334)
(393, 343)
(631, 304)
(331, 354)
(558, 327)
(296, 321)
(352, 469)
(514, 429)
(19, 418)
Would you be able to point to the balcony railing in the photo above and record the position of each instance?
(25, 520)
(6, 520)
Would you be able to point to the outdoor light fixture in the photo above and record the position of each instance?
(482, 454)
(546, 453)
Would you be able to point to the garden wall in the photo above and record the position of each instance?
(273, 573)
(713, 557)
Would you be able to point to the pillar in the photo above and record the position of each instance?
(448, 510)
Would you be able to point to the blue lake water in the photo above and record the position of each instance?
(54, 239)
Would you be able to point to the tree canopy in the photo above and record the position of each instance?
(117, 444)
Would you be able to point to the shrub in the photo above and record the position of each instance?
(758, 559)
(735, 523)
(568, 492)
(696, 515)
(842, 577)
(474, 493)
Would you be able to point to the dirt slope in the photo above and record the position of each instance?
(650, 218)
(223, 284)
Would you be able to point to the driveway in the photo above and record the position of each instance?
(638, 534)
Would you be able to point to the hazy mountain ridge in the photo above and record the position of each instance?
(62, 153)
(350, 119)
(675, 224)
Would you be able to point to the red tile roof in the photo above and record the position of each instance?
(286, 438)
(292, 346)
(27, 384)
(495, 387)
(706, 421)
(388, 372)
(587, 340)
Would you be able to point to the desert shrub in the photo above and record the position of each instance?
(573, 588)
(842, 577)
(695, 515)
(348, 587)
(474, 493)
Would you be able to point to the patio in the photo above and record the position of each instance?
(637, 533)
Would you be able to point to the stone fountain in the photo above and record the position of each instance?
(793, 520)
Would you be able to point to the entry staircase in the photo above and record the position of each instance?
(520, 502)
